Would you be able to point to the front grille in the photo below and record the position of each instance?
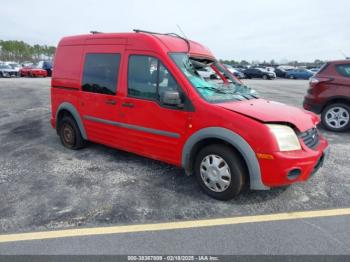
(310, 137)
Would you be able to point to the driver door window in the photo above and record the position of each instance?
(148, 78)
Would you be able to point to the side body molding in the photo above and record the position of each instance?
(69, 107)
(236, 141)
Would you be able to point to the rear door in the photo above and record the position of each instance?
(154, 129)
(100, 100)
(258, 73)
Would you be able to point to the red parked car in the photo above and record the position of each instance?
(329, 95)
(32, 71)
(141, 92)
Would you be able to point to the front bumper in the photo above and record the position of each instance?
(295, 166)
(36, 74)
(10, 74)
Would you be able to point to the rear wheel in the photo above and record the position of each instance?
(219, 171)
(70, 134)
(336, 117)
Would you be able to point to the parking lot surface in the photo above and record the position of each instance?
(316, 236)
(44, 186)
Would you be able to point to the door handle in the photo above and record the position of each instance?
(128, 104)
(110, 102)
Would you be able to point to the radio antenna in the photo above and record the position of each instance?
(182, 32)
(346, 57)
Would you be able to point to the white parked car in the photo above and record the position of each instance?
(206, 72)
(7, 71)
(14, 66)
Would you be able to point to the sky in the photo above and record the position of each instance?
(282, 30)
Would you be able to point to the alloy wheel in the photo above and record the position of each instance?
(337, 117)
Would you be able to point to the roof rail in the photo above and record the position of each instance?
(169, 34)
(95, 32)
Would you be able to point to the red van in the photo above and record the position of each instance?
(141, 92)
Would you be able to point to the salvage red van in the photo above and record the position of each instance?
(141, 92)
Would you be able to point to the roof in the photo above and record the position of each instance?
(343, 61)
(144, 41)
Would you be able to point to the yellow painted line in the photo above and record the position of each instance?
(171, 225)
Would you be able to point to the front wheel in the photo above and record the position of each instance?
(336, 117)
(219, 171)
(264, 77)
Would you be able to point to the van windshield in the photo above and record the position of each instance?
(212, 80)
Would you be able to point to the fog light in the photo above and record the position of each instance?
(294, 173)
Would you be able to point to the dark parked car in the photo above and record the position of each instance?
(280, 72)
(329, 95)
(299, 74)
(259, 73)
(235, 71)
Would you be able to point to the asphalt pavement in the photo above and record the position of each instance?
(315, 236)
(44, 186)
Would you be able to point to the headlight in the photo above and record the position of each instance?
(285, 136)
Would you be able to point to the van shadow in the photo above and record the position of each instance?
(182, 186)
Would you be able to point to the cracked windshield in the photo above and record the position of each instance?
(211, 80)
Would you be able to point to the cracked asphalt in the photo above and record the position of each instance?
(44, 186)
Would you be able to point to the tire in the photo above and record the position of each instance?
(210, 158)
(264, 77)
(291, 77)
(69, 133)
(336, 117)
(1, 75)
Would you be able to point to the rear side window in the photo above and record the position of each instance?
(344, 70)
(101, 73)
(148, 78)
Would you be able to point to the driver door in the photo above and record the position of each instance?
(154, 129)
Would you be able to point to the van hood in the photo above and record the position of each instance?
(270, 112)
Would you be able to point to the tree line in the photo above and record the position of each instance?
(19, 51)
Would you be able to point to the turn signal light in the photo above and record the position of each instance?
(264, 156)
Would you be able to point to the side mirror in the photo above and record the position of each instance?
(171, 98)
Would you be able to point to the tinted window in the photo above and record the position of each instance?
(344, 70)
(148, 78)
(101, 73)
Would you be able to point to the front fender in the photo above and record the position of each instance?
(236, 141)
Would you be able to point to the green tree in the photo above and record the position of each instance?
(12, 50)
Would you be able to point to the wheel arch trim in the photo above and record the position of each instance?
(233, 139)
(74, 112)
(335, 99)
